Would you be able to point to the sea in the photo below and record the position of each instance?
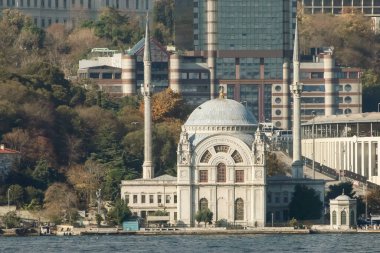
(359, 242)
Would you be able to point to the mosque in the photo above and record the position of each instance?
(221, 165)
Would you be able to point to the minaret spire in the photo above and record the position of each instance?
(296, 88)
(147, 90)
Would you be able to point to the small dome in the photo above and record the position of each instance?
(343, 197)
(221, 112)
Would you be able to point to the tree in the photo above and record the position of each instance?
(373, 201)
(116, 27)
(305, 203)
(119, 213)
(11, 220)
(275, 166)
(163, 21)
(60, 203)
(16, 194)
(204, 215)
(337, 189)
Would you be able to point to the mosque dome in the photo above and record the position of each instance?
(221, 112)
(343, 197)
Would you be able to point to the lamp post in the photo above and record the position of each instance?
(312, 129)
(272, 218)
(9, 189)
(366, 200)
(378, 107)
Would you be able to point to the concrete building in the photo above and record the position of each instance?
(370, 8)
(343, 212)
(347, 143)
(221, 165)
(70, 12)
(8, 158)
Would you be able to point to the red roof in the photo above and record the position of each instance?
(8, 151)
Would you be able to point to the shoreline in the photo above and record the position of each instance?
(196, 231)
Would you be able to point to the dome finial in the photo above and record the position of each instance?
(221, 92)
(343, 191)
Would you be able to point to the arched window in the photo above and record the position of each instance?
(343, 218)
(352, 218)
(206, 157)
(221, 172)
(334, 217)
(203, 204)
(239, 209)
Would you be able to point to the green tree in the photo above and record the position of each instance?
(119, 213)
(305, 203)
(337, 189)
(116, 27)
(11, 220)
(373, 201)
(204, 215)
(163, 21)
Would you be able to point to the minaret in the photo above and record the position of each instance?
(147, 90)
(211, 19)
(296, 88)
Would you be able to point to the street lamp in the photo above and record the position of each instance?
(9, 189)
(378, 107)
(272, 218)
(313, 135)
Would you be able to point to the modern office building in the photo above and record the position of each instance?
(70, 12)
(348, 143)
(370, 8)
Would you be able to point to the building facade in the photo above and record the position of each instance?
(370, 8)
(347, 143)
(71, 12)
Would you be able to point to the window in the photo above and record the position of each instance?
(221, 173)
(42, 3)
(81, 3)
(269, 197)
(237, 157)
(151, 199)
(203, 204)
(347, 87)
(127, 198)
(286, 197)
(221, 148)
(56, 4)
(352, 218)
(134, 199)
(277, 197)
(159, 199)
(206, 157)
(343, 219)
(239, 209)
(239, 176)
(89, 4)
(147, 4)
(143, 199)
(65, 4)
(203, 176)
(167, 199)
(175, 215)
(49, 3)
(127, 4)
(175, 199)
(137, 4)
(107, 76)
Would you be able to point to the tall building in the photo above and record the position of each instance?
(244, 44)
(370, 8)
(69, 12)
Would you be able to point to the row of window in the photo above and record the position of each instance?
(151, 199)
(278, 197)
(194, 75)
(81, 3)
(221, 175)
(343, 218)
(238, 206)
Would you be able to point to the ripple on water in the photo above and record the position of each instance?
(194, 243)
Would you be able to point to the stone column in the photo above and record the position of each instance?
(147, 90)
(211, 22)
(329, 86)
(296, 88)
